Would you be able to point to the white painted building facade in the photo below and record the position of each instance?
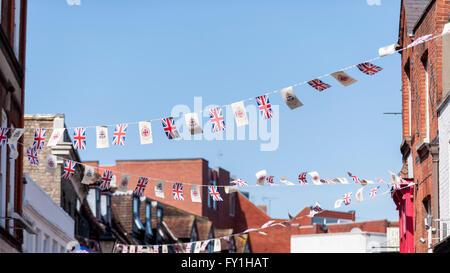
(53, 227)
(444, 166)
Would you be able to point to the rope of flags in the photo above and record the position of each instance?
(200, 246)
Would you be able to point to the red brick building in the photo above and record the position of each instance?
(12, 81)
(422, 85)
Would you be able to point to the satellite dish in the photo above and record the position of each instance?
(355, 230)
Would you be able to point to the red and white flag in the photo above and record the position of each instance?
(261, 177)
(343, 78)
(56, 137)
(359, 195)
(315, 178)
(290, 98)
(102, 137)
(124, 182)
(145, 132)
(240, 114)
(195, 194)
(193, 124)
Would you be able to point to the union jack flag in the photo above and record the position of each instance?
(373, 192)
(119, 134)
(169, 128)
(269, 180)
(140, 187)
(240, 182)
(79, 138)
(69, 169)
(217, 120)
(106, 180)
(347, 198)
(319, 85)
(178, 191)
(264, 106)
(3, 136)
(214, 192)
(368, 68)
(395, 186)
(302, 178)
(32, 156)
(39, 138)
(354, 178)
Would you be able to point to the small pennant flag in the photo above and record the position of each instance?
(145, 132)
(188, 247)
(368, 68)
(155, 249)
(195, 194)
(387, 50)
(140, 187)
(106, 180)
(214, 193)
(56, 137)
(3, 136)
(193, 124)
(240, 183)
(302, 178)
(359, 195)
(132, 249)
(286, 182)
(79, 138)
(178, 191)
(119, 135)
(347, 198)
(319, 85)
(265, 108)
(165, 249)
(419, 40)
(269, 180)
(139, 249)
(261, 177)
(342, 180)
(230, 189)
(51, 164)
(16, 134)
(124, 249)
(373, 192)
(69, 169)
(354, 178)
(327, 181)
(14, 153)
(39, 138)
(102, 137)
(217, 246)
(89, 175)
(159, 189)
(217, 120)
(290, 98)
(197, 247)
(240, 114)
(315, 178)
(204, 245)
(343, 78)
(124, 182)
(314, 210)
(32, 156)
(338, 203)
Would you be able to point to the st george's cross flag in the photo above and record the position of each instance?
(261, 177)
(145, 132)
(124, 182)
(368, 68)
(140, 187)
(89, 175)
(39, 138)
(119, 134)
(56, 136)
(159, 188)
(169, 128)
(302, 178)
(217, 119)
(32, 156)
(214, 193)
(3, 136)
(106, 180)
(192, 123)
(315, 178)
(359, 195)
(264, 106)
(343, 78)
(240, 114)
(69, 169)
(177, 191)
(102, 137)
(51, 163)
(195, 194)
(290, 98)
(79, 138)
(318, 85)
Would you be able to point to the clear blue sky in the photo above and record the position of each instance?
(107, 62)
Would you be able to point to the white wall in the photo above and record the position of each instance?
(54, 226)
(338, 243)
(444, 161)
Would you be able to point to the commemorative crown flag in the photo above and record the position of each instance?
(102, 137)
(261, 177)
(368, 68)
(79, 138)
(145, 132)
(188, 247)
(319, 85)
(178, 191)
(302, 178)
(217, 119)
(359, 195)
(32, 156)
(214, 193)
(193, 124)
(240, 114)
(51, 163)
(343, 78)
(265, 108)
(119, 134)
(290, 98)
(159, 189)
(106, 180)
(195, 194)
(124, 181)
(56, 136)
(39, 138)
(155, 249)
(69, 169)
(140, 187)
(3, 136)
(169, 128)
(89, 175)
(347, 198)
(315, 178)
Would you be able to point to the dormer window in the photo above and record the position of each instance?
(137, 224)
(148, 220)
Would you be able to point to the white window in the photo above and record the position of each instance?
(46, 244)
(55, 247)
(17, 27)
(3, 160)
(12, 168)
(427, 102)
(410, 166)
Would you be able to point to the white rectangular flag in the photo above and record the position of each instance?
(15, 135)
(124, 182)
(315, 178)
(89, 175)
(387, 50)
(217, 245)
(341, 180)
(240, 114)
(132, 249)
(338, 203)
(343, 78)
(14, 153)
(102, 137)
(50, 165)
(204, 245)
(230, 189)
(159, 189)
(192, 123)
(195, 194)
(359, 195)
(145, 132)
(155, 249)
(56, 137)
(197, 247)
(286, 182)
(165, 249)
(261, 177)
(290, 98)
